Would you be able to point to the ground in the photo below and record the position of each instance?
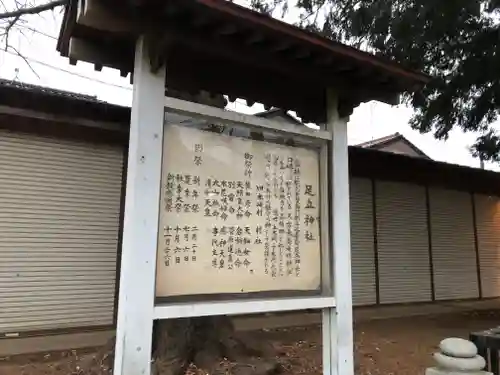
(403, 346)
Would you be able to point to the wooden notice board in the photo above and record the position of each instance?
(236, 216)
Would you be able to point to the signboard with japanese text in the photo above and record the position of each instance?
(236, 216)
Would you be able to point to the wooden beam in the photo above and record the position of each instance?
(80, 49)
(200, 21)
(255, 38)
(202, 97)
(314, 76)
(324, 60)
(171, 9)
(301, 53)
(280, 46)
(227, 30)
(333, 64)
(231, 52)
(210, 113)
(93, 13)
(222, 77)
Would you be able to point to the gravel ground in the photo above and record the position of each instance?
(395, 346)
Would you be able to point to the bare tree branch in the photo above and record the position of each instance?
(33, 9)
(7, 30)
(13, 18)
(24, 58)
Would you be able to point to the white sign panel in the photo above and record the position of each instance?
(236, 216)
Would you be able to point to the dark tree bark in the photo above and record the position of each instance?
(209, 343)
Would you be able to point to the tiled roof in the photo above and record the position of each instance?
(382, 140)
(48, 91)
(379, 143)
(45, 99)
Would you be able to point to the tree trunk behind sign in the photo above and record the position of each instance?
(206, 342)
(209, 344)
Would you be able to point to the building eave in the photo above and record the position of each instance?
(56, 102)
(223, 48)
(377, 144)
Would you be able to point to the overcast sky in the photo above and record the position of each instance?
(38, 44)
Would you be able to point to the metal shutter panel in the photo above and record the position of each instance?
(453, 245)
(488, 239)
(362, 246)
(403, 246)
(59, 217)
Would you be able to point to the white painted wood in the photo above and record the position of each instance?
(226, 117)
(326, 249)
(340, 322)
(239, 307)
(328, 341)
(137, 279)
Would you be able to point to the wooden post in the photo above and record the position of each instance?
(140, 229)
(337, 322)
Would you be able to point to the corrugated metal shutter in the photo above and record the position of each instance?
(403, 243)
(59, 218)
(362, 246)
(453, 245)
(488, 239)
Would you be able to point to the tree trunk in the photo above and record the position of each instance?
(209, 344)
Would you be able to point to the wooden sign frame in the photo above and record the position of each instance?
(136, 307)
